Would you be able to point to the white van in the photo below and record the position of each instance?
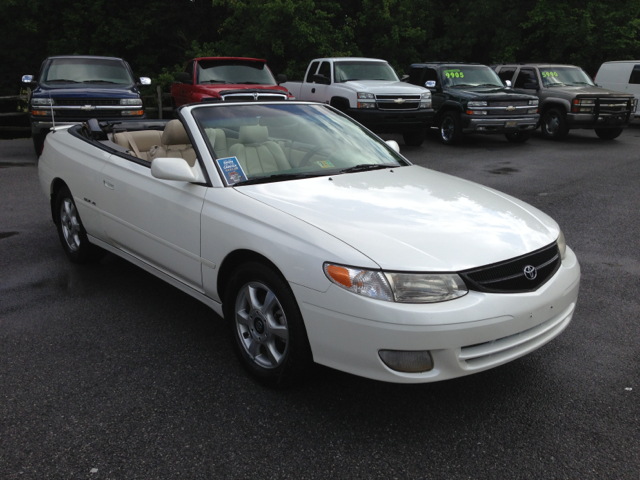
(622, 75)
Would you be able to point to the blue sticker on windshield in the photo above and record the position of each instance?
(232, 170)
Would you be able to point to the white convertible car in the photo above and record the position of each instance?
(315, 240)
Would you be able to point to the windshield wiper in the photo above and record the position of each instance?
(61, 80)
(557, 85)
(279, 177)
(212, 81)
(579, 83)
(363, 167)
(463, 85)
(488, 85)
(97, 81)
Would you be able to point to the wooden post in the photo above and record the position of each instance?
(159, 90)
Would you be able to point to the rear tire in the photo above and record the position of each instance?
(73, 236)
(38, 142)
(554, 124)
(608, 133)
(266, 326)
(450, 128)
(413, 139)
(518, 137)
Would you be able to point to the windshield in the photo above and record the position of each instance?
(563, 76)
(470, 76)
(347, 71)
(86, 70)
(281, 142)
(233, 71)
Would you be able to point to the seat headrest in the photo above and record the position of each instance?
(253, 134)
(175, 134)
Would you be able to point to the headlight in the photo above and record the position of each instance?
(398, 287)
(533, 102)
(365, 95)
(562, 245)
(130, 101)
(41, 101)
(425, 100)
(477, 104)
(370, 283)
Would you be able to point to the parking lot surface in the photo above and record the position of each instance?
(106, 372)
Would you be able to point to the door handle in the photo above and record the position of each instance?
(313, 90)
(109, 185)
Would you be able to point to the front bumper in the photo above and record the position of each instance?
(486, 124)
(589, 121)
(467, 335)
(393, 121)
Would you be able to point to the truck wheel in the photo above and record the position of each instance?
(38, 142)
(608, 133)
(518, 137)
(450, 128)
(554, 124)
(413, 139)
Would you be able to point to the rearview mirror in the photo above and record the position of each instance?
(145, 81)
(172, 168)
(183, 77)
(394, 145)
(281, 78)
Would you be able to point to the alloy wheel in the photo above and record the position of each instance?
(70, 224)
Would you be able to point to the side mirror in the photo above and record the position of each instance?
(430, 84)
(184, 77)
(319, 78)
(27, 78)
(145, 81)
(530, 86)
(507, 83)
(394, 145)
(281, 78)
(172, 168)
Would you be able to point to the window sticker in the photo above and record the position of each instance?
(549, 74)
(232, 170)
(454, 73)
(325, 164)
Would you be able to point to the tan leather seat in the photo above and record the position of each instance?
(174, 143)
(256, 153)
(144, 140)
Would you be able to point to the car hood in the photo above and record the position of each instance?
(412, 218)
(595, 91)
(491, 93)
(384, 87)
(83, 90)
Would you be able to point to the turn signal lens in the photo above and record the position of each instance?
(339, 275)
(40, 112)
(128, 113)
(369, 283)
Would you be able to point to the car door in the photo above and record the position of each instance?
(157, 221)
(308, 84)
(528, 77)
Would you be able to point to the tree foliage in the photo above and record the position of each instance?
(157, 37)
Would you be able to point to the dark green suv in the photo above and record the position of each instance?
(471, 98)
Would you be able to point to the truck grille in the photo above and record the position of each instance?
(81, 102)
(86, 114)
(509, 103)
(509, 276)
(613, 105)
(398, 102)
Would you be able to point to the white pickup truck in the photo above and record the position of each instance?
(368, 90)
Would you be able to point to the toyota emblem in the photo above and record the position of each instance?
(530, 272)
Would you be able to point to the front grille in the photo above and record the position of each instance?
(509, 103)
(613, 105)
(86, 101)
(87, 114)
(509, 276)
(398, 102)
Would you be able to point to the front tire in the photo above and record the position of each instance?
(413, 139)
(518, 137)
(73, 236)
(608, 133)
(554, 124)
(266, 326)
(450, 128)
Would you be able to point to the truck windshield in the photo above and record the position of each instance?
(276, 142)
(563, 76)
(86, 70)
(349, 71)
(233, 71)
(470, 76)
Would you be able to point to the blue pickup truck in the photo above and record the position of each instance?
(72, 89)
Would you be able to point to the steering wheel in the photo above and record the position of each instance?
(315, 150)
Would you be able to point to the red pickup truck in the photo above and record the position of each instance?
(225, 79)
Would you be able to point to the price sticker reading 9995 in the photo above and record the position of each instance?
(549, 74)
(453, 74)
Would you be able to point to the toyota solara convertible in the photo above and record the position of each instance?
(315, 240)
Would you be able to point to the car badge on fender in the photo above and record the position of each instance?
(530, 272)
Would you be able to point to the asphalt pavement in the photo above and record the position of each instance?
(106, 372)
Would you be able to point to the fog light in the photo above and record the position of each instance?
(408, 362)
